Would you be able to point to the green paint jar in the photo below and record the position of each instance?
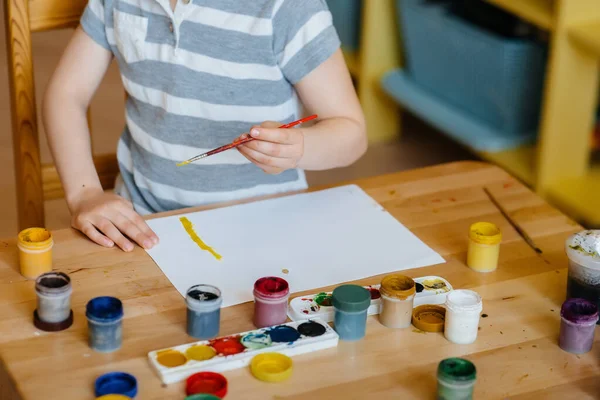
(456, 379)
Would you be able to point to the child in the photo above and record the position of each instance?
(198, 73)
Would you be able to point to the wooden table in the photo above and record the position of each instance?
(516, 353)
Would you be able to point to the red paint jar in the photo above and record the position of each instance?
(271, 296)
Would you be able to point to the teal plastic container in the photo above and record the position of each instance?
(495, 79)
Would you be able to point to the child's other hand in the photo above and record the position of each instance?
(274, 150)
(106, 218)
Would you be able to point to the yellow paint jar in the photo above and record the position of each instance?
(484, 247)
(35, 252)
(397, 300)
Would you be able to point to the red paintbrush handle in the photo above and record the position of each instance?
(242, 141)
(250, 138)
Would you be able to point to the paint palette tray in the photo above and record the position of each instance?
(236, 351)
(430, 290)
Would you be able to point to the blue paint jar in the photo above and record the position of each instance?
(203, 311)
(105, 316)
(350, 303)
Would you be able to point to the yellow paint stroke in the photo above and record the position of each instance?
(181, 164)
(189, 228)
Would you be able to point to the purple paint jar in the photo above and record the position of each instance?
(578, 325)
(270, 301)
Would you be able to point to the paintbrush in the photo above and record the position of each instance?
(519, 230)
(239, 142)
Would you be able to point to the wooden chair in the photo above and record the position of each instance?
(37, 182)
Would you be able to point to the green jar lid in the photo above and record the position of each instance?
(351, 298)
(457, 369)
(202, 396)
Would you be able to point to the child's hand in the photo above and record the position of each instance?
(274, 150)
(106, 218)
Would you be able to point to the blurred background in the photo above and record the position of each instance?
(511, 82)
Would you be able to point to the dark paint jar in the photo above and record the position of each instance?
(203, 311)
(105, 316)
(583, 281)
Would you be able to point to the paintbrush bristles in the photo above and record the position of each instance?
(191, 160)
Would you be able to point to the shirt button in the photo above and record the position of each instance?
(171, 27)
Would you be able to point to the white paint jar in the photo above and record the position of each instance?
(463, 308)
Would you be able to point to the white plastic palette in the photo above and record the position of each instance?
(319, 305)
(262, 341)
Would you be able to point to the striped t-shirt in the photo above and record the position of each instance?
(198, 77)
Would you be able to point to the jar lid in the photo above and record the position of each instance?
(35, 237)
(271, 287)
(457, 369)
(116, 383)
(113, 397)
(397, 286)
(463, 300)
(271, 367)
(579, 311)
(584, 247)
(104, 309)
(429, 318)
(52, 326)
(485, 233)
(202, 396)
(206, 383)
(351, 298)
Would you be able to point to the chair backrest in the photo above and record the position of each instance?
(37, 182)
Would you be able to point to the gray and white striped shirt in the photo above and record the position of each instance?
(197, 78)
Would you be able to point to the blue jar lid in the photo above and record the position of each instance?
(104, 309)
(116, 383)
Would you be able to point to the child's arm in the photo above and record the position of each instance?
(103, 217)
(337, 140)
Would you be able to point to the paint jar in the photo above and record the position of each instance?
(397, 298)
(35, 252)
(350, 303)
(583, 281)
(270, 301)
(484, 247)
(578, 324)
(203, 311)
(105, 316)
(462, 316)
(456, 379)
(53, 290)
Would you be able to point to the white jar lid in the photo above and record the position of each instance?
(464, 300)
(584, 248)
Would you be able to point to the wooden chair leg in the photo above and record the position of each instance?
(379, 53)
(30, 201)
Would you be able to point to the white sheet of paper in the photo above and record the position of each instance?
(321, 238)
